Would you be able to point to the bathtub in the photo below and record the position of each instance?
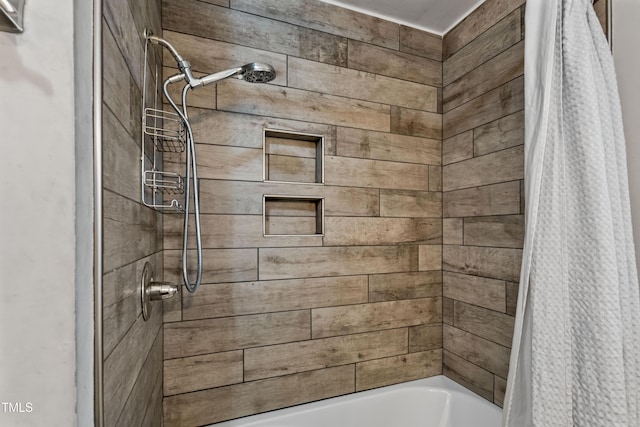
(431, 402)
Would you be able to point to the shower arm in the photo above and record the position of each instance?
(183, 65)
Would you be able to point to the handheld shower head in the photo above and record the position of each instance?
(253, 73)
(257, 73)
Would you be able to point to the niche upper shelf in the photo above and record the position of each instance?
(293, 157)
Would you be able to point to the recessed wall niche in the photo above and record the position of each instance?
(293, 157)
(292, 216)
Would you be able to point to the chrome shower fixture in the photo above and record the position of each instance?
(252, 73)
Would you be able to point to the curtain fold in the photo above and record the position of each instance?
(576, 346)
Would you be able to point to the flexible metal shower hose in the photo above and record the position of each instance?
(191, 166)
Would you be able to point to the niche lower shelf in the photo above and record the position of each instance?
(292, 216)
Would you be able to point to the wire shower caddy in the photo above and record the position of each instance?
(162, 132)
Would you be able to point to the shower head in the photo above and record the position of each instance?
(257, 73)
(253, 73)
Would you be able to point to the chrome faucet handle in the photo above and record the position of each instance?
(161, 290)
(153, 291)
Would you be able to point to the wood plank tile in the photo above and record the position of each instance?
(236, 299)
(348, 231)
(425, 337)
(499, 70)
(118, 86)
(201, 372)
(265, 34)
(418, 42)
(209, 56)
(243, 130)
(221, 162)
(499, 389)
(147, 14)
(223, 3)
(430, 257)
(329, 79)
(483, 353)
(121, 300)
(276, 360)
(290, 208)
(290, 225)
(522, 197)
(392, 63)
(146, 394)
(121, 158)
(416, 123)
(496, 263)
(452, 231)
(488, 45)
(282, 146)
(127, 35)
(353, 319)
(397, 369)
(237, 197)
(413, 204)
(480, 291)
(399, 286)
(198, 337)
(219, 265)
(500, 102)
(502, 166)
(504, 231)
(457, 148)
(483, 18)
(350, 172)
(467, 374)
(125, 363)
(435, 178)
(327, 18)
(497, 199)
(297, 104)
(249, 398)
(231, 231)
(491, 325)
(290, 169)
(501, 134)
(512, 297)
(293, 263)
(126, 221)
(153, 414)
(386, 146)
(447, 311)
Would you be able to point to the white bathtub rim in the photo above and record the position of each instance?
(438, 383)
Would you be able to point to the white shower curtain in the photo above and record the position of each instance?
(576, 346)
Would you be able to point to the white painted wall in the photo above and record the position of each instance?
(626, 39)
(37, 237)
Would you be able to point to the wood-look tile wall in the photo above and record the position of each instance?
(482, 176)
(281, 321)
(483, 192)
(132, 232)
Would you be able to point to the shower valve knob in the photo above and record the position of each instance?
(151, 290)
(159, 290)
